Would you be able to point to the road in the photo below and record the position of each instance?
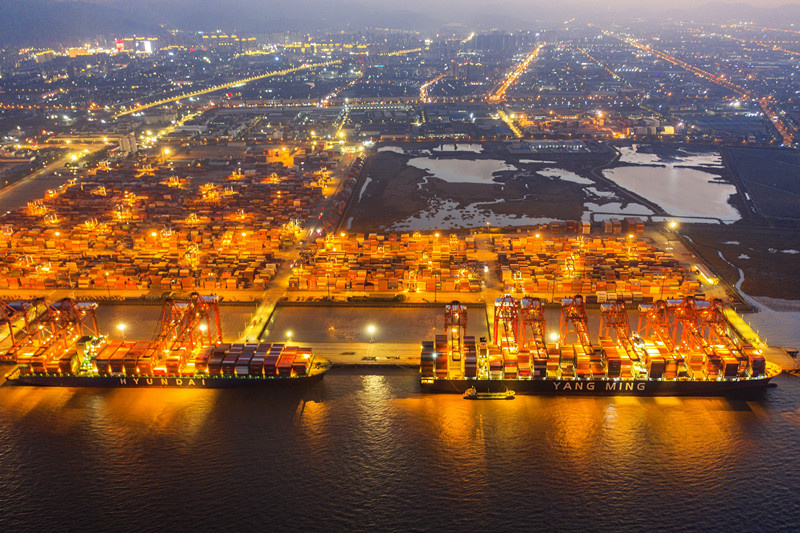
(221, 86)
(280, 283)
(368, 353)
(34, 186)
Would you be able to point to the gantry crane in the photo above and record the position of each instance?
(532, 334)
(688, 325)
(185, 326)
(48, 331)
(654, 320)
(574, 320)
(40, 324)
(81, 315)
(613, 316)
(198, 321)
(714, 325)
(506, 320)
(12, 315)
(703, 335)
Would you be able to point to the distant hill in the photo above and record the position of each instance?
(46, 22)
(272, 15)
(738, 11)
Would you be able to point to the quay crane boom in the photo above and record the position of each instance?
(574, 320)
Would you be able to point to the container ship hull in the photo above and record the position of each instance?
(143, 382)
(214, 366)
(599, 387)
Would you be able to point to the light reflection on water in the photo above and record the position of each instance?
(363, 451)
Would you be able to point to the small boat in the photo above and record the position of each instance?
(473, 394)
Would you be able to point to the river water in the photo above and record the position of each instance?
(368, 452)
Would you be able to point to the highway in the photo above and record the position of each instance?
(499, 94)
(221, 86)
(423, 90)
(510, 123)
(242, 81)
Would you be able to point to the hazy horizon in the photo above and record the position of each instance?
(446, 4)
(44, 22)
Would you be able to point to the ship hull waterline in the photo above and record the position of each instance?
(599, 387)
(142, 382)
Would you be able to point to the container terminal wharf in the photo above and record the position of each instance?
(58, 344)
(679, 347)
(621, 263)
(682, 343)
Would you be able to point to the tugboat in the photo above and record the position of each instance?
(473, 394)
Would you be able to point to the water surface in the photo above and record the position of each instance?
(369, 452)
(681, 192)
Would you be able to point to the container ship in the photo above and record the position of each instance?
(680, 348)
(57, 344)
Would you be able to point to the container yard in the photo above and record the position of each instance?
(174, 230)
(560, 260)
(603, 268)
(160, 228)
(389, 263)
(680, 347)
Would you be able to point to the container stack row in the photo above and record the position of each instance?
(628, 225)
(757, 363)
(470, 357)
(258, 360)
(427, 364)
(45, 360)
(130, 228)
(604, 269)
(127, 358)
(396, 263)
(617, 360)
(441, 350)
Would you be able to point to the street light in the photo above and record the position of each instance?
(121, 328)
(556, 277)
(672, 227)
(371, 331)
(108, 288)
